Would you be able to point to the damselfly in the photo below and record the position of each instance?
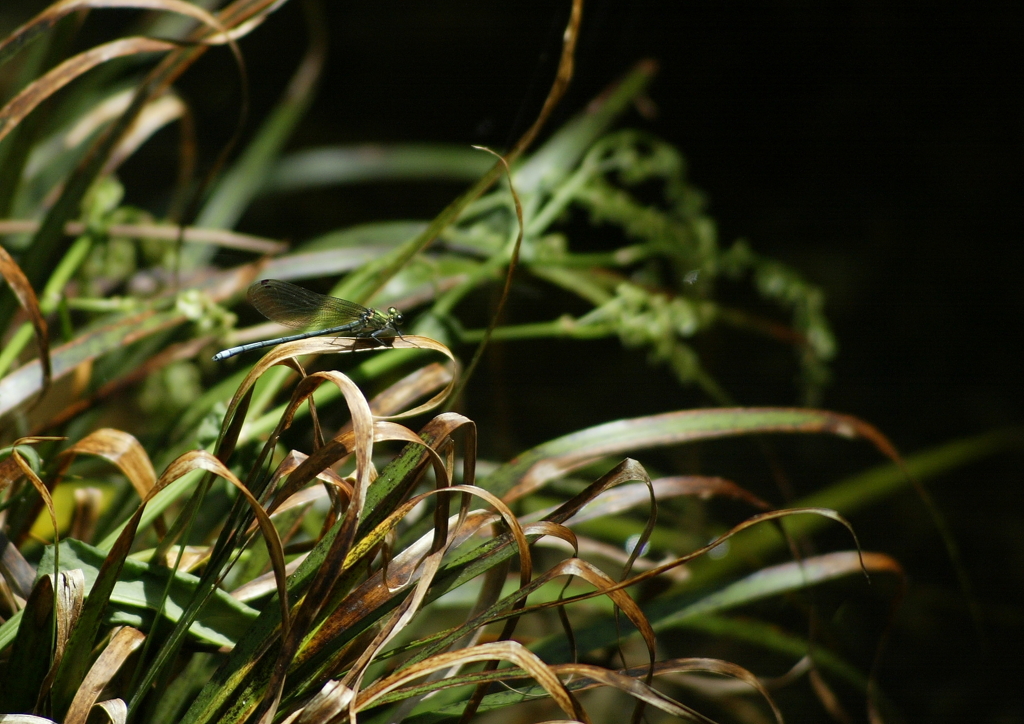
(299, 308)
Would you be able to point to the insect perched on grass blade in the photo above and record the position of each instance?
(298, 308)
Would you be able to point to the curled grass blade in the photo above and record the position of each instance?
(532, 469)
(505, 650)
(38, 91)
(37, 483)
(123, 644)
(47, 19)
(321, 345)
(26, 295)
(245, 675)
(119, 448)
(682, 608)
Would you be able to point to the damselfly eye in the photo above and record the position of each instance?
(395, 315)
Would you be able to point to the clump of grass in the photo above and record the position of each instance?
(369, 567)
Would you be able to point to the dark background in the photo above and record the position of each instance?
(875, 146)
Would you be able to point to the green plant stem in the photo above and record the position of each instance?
(560, 200)
(623, 256)
(564, 327)
(583, 284)
(13, 348)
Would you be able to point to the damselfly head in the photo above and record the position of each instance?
(394, 316)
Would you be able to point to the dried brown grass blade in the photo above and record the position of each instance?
(566, 65)
(561, 456)
(44, 87)
(624, 497)
(88, 504)
(39, 485)
(69, 598)
(627, 681)
(51, 15)
(26, 295)
(362, 430)
(125, 641)
(224, 238)
(124, 451)
(511, 651)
